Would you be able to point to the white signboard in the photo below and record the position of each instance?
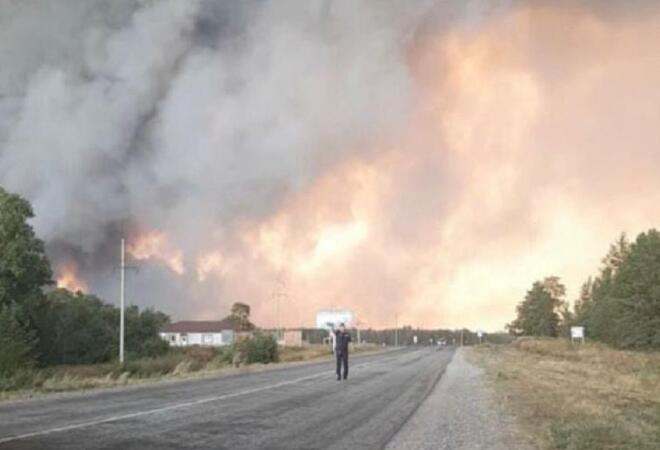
(577, 332)
(331, 318)
(415, 339)
(480, 334)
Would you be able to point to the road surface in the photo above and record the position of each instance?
(299, 406)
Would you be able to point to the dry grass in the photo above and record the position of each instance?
(578, 397)
(291, 354)
(319, 351)
(179, 363)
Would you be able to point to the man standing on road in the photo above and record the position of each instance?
(342, 338)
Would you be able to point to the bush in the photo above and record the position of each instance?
(225, 355)
(16, 343)
(260, 348)
(19, 379)
(154, 346)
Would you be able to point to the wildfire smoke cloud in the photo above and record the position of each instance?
(420, 158)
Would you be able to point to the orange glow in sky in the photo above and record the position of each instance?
(155, 245)
(67, 278)
(531, 144)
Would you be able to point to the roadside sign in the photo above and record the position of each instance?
(577, 332)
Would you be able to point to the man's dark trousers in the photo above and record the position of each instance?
(342, 358)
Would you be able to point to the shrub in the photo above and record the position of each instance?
(260, 348)
(19, 379)
(16, 343)
(154, 346)
(225, 355)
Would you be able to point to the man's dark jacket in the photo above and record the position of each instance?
(341, 342)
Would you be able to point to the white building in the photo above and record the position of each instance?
(331, 318)
(205, 333)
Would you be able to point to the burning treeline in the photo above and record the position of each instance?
(421, 159)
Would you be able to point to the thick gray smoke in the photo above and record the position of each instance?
(421, 158)
(186, 116)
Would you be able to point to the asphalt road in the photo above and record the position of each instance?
(293, 407)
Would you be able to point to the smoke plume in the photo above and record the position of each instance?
(415, 158)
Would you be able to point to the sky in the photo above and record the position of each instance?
(419, 161)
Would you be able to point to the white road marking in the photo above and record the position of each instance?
(167, 408)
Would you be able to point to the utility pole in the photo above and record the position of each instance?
(396, 330)
(122, 299)
(122, 289)
(358, 324)
(279, 293)
(462, 336)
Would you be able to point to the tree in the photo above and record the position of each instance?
(584, 302)
(598, 309)
(240, 316)
(24, 268)
(538, 313)
(617, 254)
(74, 329)
(142, 332)
(78, 328)
(16, 343)
(636, 291)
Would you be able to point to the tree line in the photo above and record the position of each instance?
(41, 325)
(619, 306)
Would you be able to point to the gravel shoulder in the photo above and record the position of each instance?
(460, 413)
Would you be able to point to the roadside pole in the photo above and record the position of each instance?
(396, 330)
(279, 293)
(121, 300)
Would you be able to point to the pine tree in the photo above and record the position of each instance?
(636, 289)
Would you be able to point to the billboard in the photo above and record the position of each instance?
(331, 318)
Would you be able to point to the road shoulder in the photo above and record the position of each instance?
(460, 413)
(136, 384)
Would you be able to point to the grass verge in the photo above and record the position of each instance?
(578, 397)
(177, 364)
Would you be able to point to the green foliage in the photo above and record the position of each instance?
(77, 328)
(261, 348)
(74, 328)
(240, 317)
(142, 328)
(24, 268)
(226, 354)
(16, 343)
(621, 306)
(539, 313)
(637, 286)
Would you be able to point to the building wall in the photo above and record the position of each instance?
(292, 338)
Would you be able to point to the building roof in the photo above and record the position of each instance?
(199, 326)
